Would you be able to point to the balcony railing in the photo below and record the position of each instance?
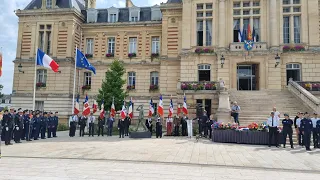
(199, 85)
(239, 46)
(310, 85)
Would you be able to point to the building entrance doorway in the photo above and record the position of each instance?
(205, 104)
(248, 77)
(294, 72)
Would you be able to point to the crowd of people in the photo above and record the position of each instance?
(26, 125)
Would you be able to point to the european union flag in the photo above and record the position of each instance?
(82, 62)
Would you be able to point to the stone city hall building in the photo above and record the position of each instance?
(177, 47)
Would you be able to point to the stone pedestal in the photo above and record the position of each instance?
(223, 113)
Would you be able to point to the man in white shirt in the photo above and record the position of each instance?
(73, 125)
(300, 135)
(314, 130)
(189, 126)
(91, 120)
(276, 113)
(273, 123)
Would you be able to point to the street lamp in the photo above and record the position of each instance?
(277, 58)
(20, 68)
(222, 60)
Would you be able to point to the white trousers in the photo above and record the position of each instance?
(189, 126)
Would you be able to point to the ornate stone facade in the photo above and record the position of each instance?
(184, 28)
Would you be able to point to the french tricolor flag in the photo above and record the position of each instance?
(160, 106)
(185, 107)
(46, 61)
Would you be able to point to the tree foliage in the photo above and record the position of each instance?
(113, 87)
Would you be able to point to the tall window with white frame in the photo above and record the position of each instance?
(133, 45)
(155, 45)
(113, 18)
(41, 76)
(87, 79)
(154, 78)
(111, 45)
(204, 24)
(49, 4)
(204, 72)
(89, 44)
(291, 12)
(246, 12)
(45, 38)
(131, 80)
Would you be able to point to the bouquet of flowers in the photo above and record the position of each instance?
(263, 127)
(253, 126)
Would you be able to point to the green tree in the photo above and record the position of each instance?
(112, 87)
(1, 87)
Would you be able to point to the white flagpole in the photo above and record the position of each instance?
(34, 82)
(74, 79)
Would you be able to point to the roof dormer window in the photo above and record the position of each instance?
(134, 14)
(49, 4)
(156, 14)
(113, 15)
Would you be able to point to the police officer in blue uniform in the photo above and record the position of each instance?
(314, 130)
(18, 126)
(6, 124)
(55, 124)
(27, 125)
(318, 132)
(287, 130)
(50, 124)
(43, 125)
(306, 127)
(36, 125)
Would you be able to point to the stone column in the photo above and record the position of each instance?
(223, 112)
(222, 23)
(273, 31)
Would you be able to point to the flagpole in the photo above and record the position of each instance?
(34, 82)
(74, 79)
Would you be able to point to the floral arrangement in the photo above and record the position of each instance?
(293, 48)
(263, 127)
(316, 87)
(131, 87)
(109, 55)
(203, 50)
(86, 87)
(253, 126)
(89, 55)
(41, 84)
(234, 126)
(153, 87)
(198, 86)
(154, 55)
(131, 55)
(308, 86)
(222, 126)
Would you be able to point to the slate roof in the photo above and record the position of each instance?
(174, 1)
(78, 4)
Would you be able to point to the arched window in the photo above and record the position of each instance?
(154, 78)
(131, 78)
(204, 72)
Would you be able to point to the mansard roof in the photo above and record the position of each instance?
(78, 4)
(174, 1)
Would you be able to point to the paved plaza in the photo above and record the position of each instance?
(166, 158)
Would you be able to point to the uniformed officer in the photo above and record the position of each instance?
(23, 131)
(306, 127)
(91, 121)
(110, 125)
(127, 123)
(318, 132)
(176, 123)
(17, 126)
(121, 126)
(55, 124)
(300, 135)
(82, 123)
(101, 123)
(159, 128)
(35, 126)
(43, 125)
(314, 130)
(27, 125)
(73, 125)
(149, 124)
(6, 123)
(287, 130)
(204, 123)
(184, 126)
(50, 125)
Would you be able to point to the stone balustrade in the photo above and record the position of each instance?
(257, 46)
(305, 96)
(310, 85)
(198, 86)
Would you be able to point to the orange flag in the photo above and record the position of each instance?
(0, 63)
(249, 33)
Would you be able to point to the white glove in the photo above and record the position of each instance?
(17, 128)
(7, 129)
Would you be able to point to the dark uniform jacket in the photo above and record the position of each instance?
(287, 125)
(121, 124)
(18, 121)
(306, 125)
(318, 126)
(101, 122)
(83, 122)
(43, 122)
(55, 121)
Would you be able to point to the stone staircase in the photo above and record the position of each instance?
(257, 105)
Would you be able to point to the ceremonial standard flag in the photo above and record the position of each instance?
(82, 62)
(86, 107)
(123, 113)
(185, 108)
(130, 109)
(171, 108)
(46, 61)
(239, 36)
(94, 106)
(102, 110)
(151, 109)
(113, 109)
(0, 63)
(77, 106)
(249, 33)
(179, 109)
(160, 106)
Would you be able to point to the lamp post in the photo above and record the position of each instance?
(20, 68)
(222, 60)
(277, 58)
